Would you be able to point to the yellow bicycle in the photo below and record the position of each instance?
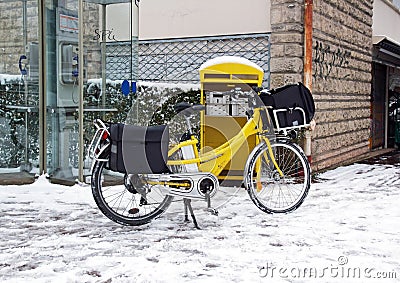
(137, 171)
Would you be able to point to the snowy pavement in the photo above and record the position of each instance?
(347, 230)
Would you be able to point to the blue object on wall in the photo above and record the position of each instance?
(23, 70)
(125, 87)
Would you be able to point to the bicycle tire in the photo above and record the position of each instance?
(119, 202)
(289, 190)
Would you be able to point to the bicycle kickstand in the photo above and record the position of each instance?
(213, 211)
(188, 206)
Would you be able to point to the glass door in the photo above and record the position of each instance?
(19, 91)
(61, 93)
(57, 75)
(109, 52)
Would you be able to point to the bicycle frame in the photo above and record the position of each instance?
(214, 161)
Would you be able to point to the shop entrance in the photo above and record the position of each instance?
(378, 111)
(385, 107)
(385, 95)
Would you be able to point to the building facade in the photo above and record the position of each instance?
(353, 48)
(341, 61)
(341, 71)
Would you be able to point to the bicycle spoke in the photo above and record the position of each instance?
(127, 204)
(280, 193)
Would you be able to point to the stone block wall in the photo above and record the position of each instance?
(342, 61)
(342, 64)
(286, 63)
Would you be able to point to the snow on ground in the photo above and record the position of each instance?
(348, 227)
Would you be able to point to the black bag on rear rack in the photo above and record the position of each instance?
(137, 149)
(284, 101)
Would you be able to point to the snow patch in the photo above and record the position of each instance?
(53, 233)
(5, 78)
(229, 60)
(160, 85)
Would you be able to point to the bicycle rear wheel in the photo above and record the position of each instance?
(127, 199)
(271, 192)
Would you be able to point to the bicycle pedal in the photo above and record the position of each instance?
(213, 211)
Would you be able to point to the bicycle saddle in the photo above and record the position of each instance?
(188, 108)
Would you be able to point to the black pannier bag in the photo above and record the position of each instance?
(137, 149)
(285, 99)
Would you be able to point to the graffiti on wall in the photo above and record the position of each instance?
(103, 35)
(326, 59)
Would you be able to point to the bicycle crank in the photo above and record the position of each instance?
(190, 185)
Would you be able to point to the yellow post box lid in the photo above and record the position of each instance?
(231, 67)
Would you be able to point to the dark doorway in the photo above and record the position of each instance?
(378, 105)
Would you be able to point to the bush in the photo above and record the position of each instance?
(154, 103)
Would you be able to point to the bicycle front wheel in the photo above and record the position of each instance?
(127, 199)
(268, 189)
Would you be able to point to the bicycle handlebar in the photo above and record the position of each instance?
(188, 109)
